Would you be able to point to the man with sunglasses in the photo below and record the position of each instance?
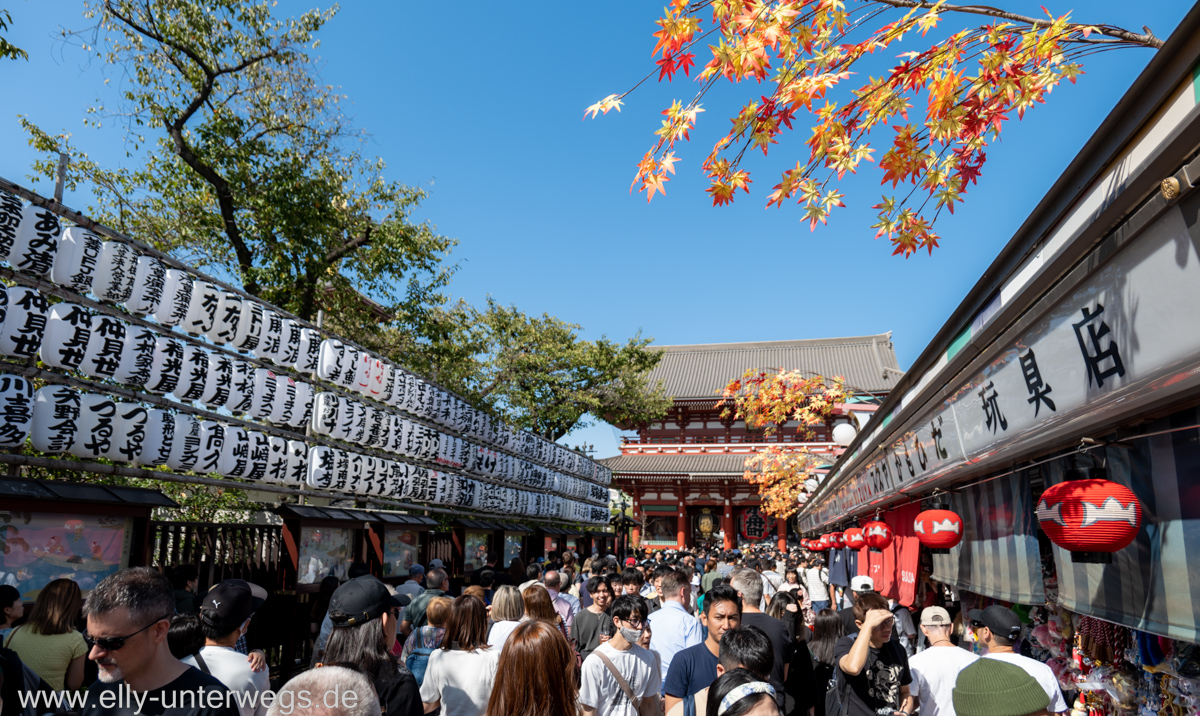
(998, 628)
(128, 615)
(872, 675)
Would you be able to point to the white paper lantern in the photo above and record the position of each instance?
(137, 361)
(387, 383)
(114, 272)
(328, 468)
(235, 460)
(55, 418)
(177, 296)
(262, 400)
(378, 429)
(424, 483)
(398, 485)
(355, 426)
(380, 478)
(242, 390)
(289, 343)
(106, 346)
(358, 471)
(250, 326)
(10, 220)
(468, 494)
(285, 400)
(212, 446)
(68, 327)
(272, 336)
(302, 407)
(202, 308)
(329, 360)
(297, 465)
(218, 383)
(192, 374)
(325, 413)
(149, 280)
(227, 320)
(185, 445)
(97, 424)
(399, 387)
(130, 433)
(277, 460)
(166, 365)
(396, 434)
(77, 258)
(363, 369)
(349, 367)
(24, 319)
(160, 433)
(37, 241)
(260, 453)
(309, 353)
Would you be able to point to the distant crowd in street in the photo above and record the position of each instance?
(755, 630)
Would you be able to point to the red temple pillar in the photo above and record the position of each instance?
(635, 534)
(781, 530)
(727, 520)
(681, 521)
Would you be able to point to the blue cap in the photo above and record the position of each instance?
(416, 569)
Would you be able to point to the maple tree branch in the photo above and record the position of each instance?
(1147, 40)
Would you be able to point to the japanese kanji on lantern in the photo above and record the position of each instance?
(854, 538)
(16, 405)
(938, 529)
(877, 535)
(24, 322)
(1090, 518)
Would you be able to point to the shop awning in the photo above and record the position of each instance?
(476, 524)
(998, 556)
(514, 527)
(21, 488)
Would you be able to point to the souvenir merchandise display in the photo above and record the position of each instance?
(377, 429)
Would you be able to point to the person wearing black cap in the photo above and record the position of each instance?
(364, 615)
(225, 615)
(998, 628)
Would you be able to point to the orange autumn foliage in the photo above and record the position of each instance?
(960, 92)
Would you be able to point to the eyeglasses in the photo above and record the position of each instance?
(112, 643)
(634, 623)
(886, 623)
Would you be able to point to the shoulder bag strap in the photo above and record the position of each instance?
(200, 662)
(10, 636)
(637, 703)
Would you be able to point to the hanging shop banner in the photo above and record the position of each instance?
(1153, 584)
(1117, 337)
(998, 556)
(901, 559)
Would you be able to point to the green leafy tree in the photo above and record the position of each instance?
(7, 49)
(251, 171)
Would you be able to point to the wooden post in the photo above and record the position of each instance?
(781, 531)
(727, 519)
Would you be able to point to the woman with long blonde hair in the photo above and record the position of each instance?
(48, 641)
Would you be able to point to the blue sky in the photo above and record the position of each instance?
(481, 104)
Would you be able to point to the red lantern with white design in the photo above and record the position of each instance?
(938, 529)
(854, 538)
(1090, 516)
(836, 540)
(877, 535)
(822, 544)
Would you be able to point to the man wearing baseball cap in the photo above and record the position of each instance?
(993, 688)
(858, 585)
(935, 670)
(225, 616)
(998, 628)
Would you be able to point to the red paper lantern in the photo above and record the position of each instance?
(877, 534)
(822, 544)
(938, 529)
(1090, 515)
(854, 538)
(836, 540)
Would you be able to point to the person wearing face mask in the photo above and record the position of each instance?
(225, 616)
(621, 678)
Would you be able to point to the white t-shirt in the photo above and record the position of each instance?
(461, 680)
(500, 633)
(1042, 673)
(934, 672)
(904, 624)
(599, 689)
(231, 668)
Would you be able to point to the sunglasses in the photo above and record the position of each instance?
(112, 643)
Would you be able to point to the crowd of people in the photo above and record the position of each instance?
(756, 631)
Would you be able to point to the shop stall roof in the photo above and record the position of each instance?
(32, 489)
(399, 519)
(513, 527)
(476, 524)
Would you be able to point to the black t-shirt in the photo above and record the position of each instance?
(780, 642)
(398, 692)
(878, 685)
(193, 693)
